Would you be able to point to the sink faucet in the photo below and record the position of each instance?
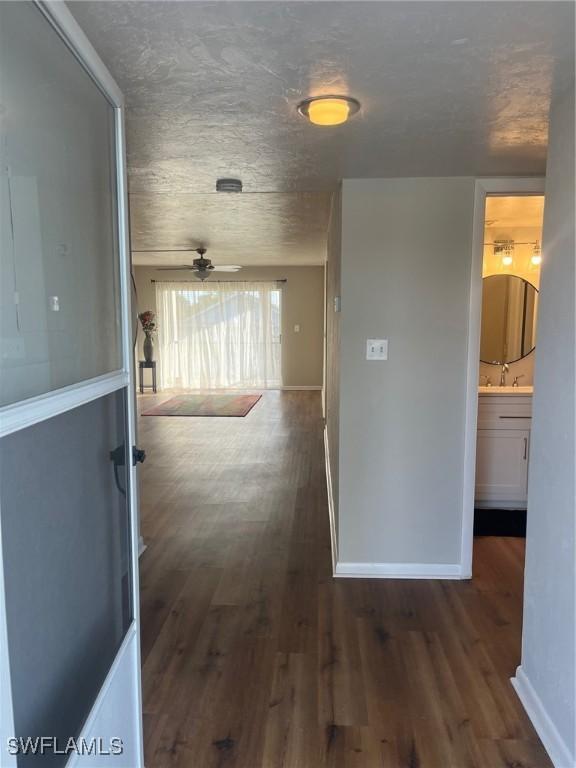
(503, 372)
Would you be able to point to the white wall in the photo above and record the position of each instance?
(546, 680)
(406, 260)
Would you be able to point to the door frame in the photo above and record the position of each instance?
(489, 187)
(36, 409)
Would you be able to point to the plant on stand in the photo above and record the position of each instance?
(148, 322)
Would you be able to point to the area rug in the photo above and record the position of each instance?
(205, 405)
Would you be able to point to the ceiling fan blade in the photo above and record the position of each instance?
(185, 267)
(227, 268)
(167, 250)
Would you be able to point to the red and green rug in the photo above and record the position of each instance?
(205, 405)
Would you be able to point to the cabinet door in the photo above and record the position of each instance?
(502, 465)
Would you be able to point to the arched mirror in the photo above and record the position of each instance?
(509, 310)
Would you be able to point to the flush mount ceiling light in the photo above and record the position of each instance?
(328, 110)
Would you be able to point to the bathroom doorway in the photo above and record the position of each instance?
(498, 209)
(511, 259)
(503, 344)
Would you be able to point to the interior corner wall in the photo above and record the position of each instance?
(302, 304)
(332, 394)
(548, 639)
(406, 263)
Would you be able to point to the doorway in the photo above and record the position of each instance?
(499, 395)
(499, 559)
(511, 259)
(486, 189)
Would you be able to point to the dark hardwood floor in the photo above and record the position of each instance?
(254, 656)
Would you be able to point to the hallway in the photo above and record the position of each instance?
(254, 656)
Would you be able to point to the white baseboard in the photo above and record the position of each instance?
(398, 570)
(378, 570)
(331, 508)
(554, 744)
(302, 386)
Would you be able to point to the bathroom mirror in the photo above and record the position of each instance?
(509, 309)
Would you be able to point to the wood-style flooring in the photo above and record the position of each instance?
(255, 657)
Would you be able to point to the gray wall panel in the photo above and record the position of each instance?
(66, 559)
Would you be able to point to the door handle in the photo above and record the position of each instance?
(118, 456)
(525, 448)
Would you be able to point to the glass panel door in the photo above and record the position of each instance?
(59, 300)
(68, 507)
(66, 552)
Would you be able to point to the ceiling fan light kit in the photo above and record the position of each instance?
(203, 267)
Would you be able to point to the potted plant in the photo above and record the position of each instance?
(148, 322)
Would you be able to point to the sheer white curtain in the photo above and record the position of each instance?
(218, 335)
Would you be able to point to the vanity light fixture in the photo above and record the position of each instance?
(328, 110)
(504, 249)
(536, 258)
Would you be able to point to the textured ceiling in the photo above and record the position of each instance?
(270, 228)
(211, 88)
(517, 211)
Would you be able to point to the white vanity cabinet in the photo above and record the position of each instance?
(503, 449)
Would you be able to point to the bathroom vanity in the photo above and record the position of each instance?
(503, 447)
(508, 341)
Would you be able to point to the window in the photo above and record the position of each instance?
(219, 336)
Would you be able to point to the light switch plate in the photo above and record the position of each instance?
(376, 349)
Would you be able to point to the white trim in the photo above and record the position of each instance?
(331, 507)
(130, 367)
(484, 187)
(36, 409)
(303, 387)
(398, 570)
(553, 742)
(70, 31)
(324, 337)
(91, 722)
(378, 570)
(7, 729)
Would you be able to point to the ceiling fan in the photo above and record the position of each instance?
(203, 267)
